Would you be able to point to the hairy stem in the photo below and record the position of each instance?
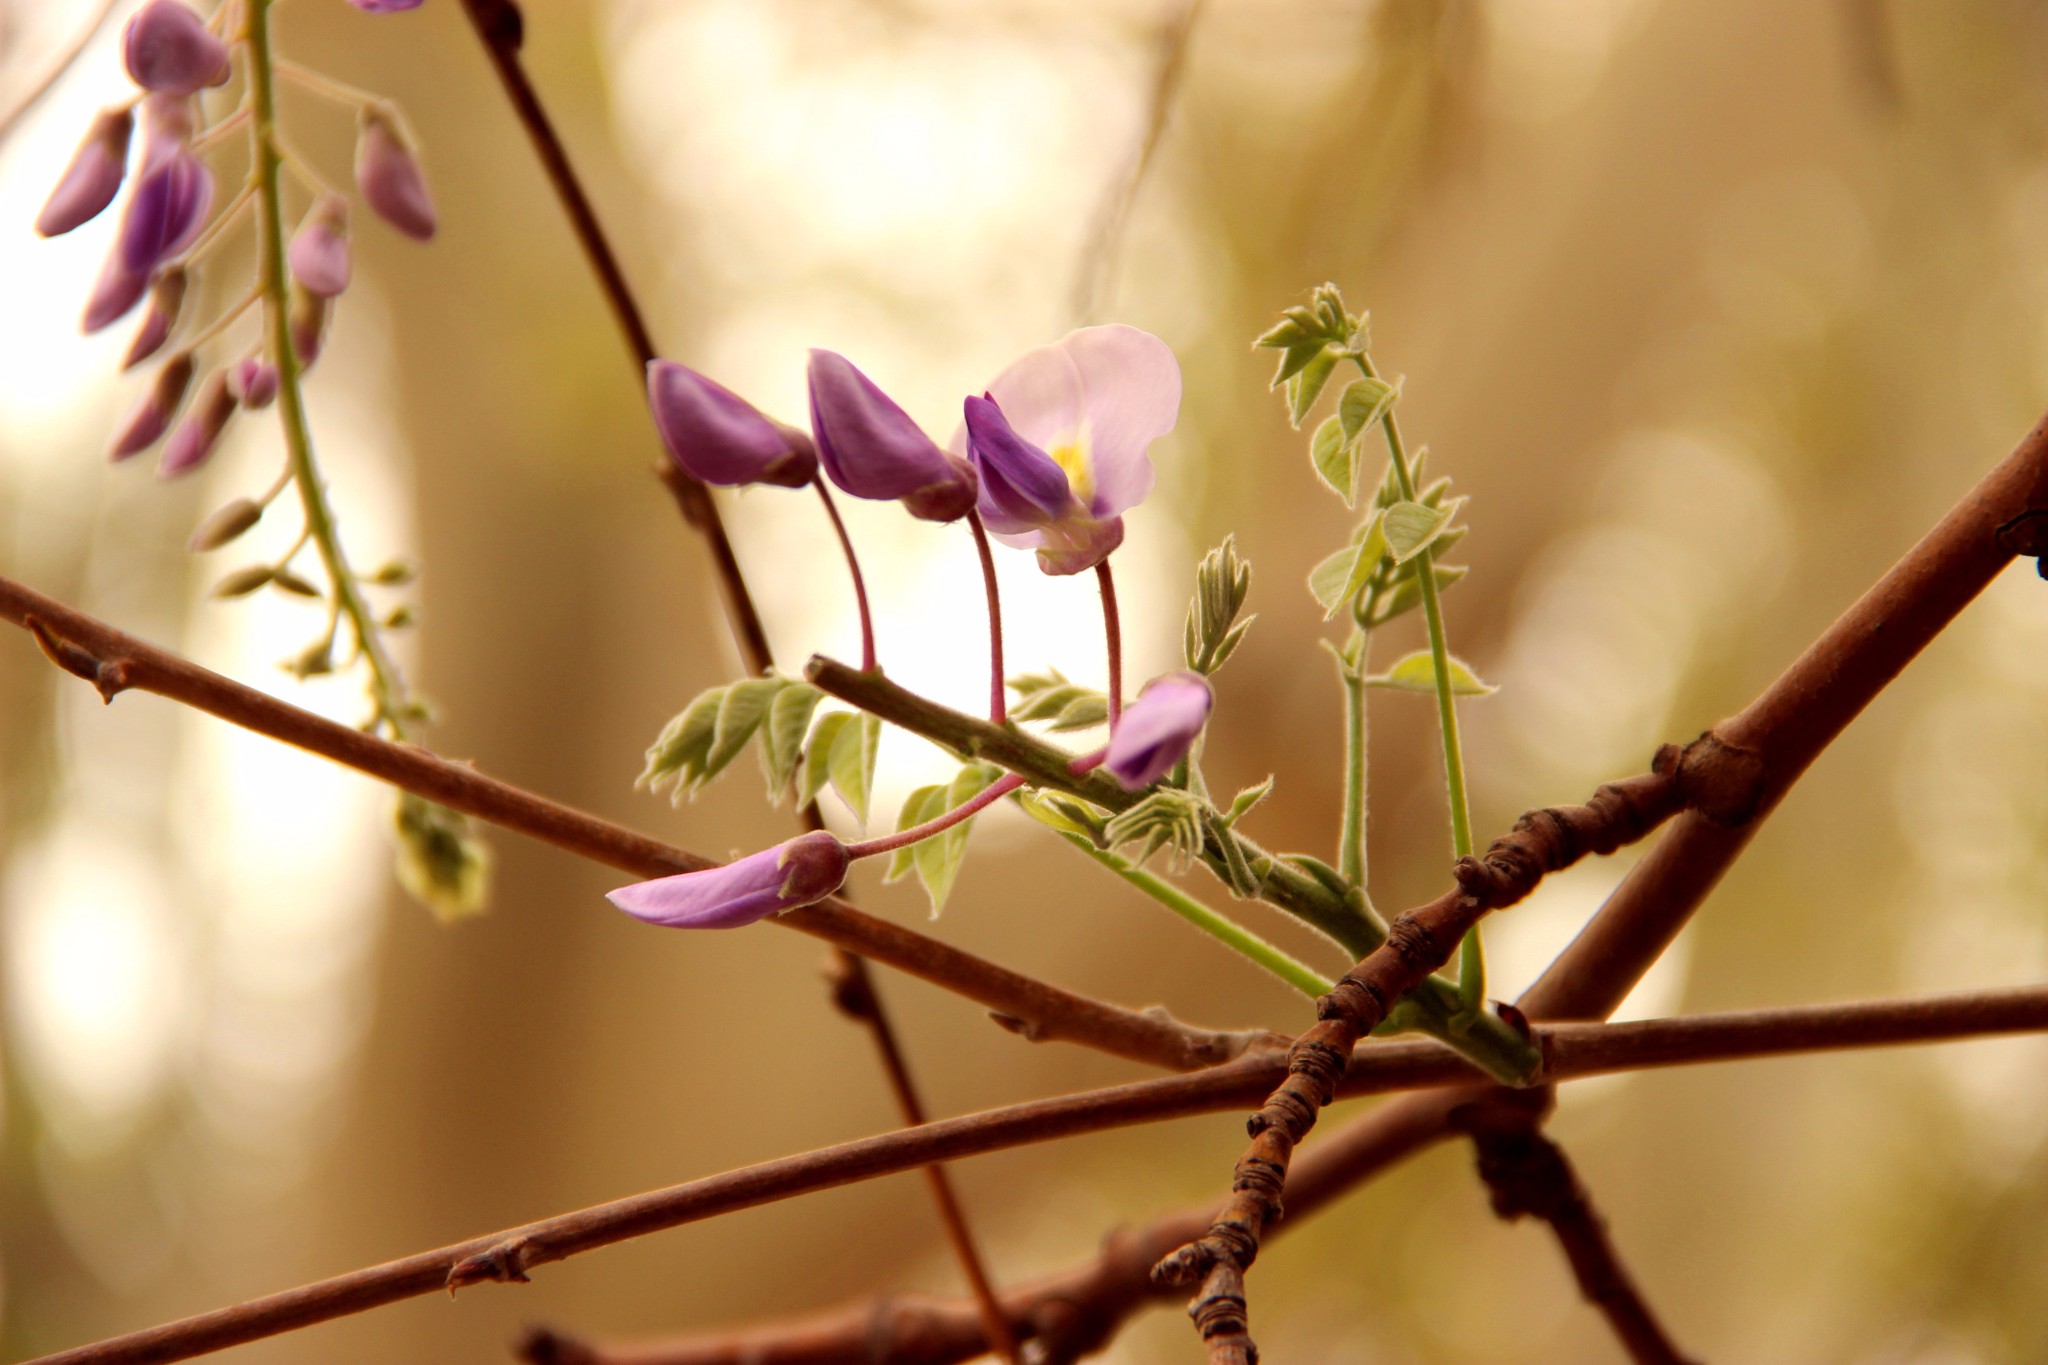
(1351, 839)
(938, 824)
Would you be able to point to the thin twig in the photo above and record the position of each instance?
(1528, 1175)
(1570, 1051)
(501, 29)
(114, 661)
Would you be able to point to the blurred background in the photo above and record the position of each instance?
(1712, 309)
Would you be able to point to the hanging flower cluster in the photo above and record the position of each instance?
(1048, 457)
(168, 226)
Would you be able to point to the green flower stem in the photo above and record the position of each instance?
(1339, 914)
(1471, 954)
(1211, 922)
(387, 685)
(1351, 840)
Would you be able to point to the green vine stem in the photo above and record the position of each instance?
(1471, 953)
(1351, 839)
(1210, 921)
(394, 707)
(1330, 906)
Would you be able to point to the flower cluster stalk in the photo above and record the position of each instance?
(1471, 954)
(387, 685)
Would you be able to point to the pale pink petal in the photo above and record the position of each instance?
(1114, 388)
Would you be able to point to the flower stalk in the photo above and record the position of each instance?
(998, 699)
(860, 585)
(1113, 640)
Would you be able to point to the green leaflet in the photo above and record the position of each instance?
(851, 762)
(1417, 673)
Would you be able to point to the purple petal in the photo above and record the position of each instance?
(253, 382)
(1156, 731)
(306, 317)
(151, 417)
(168, 49)
(94, 176)
(166, 212)
(720, 438)
(192, 443)
(1021, 488)
(872, 449)
(805, 869)
(117, 290)
(1104, 394)
(319, 255)
(390, 178)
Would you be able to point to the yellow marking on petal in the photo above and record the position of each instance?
(1072, 456)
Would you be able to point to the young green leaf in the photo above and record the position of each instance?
(1337, 581)
(852, 763)
(1364, 403)
(782, 739)
(1307, 384)
(1411, 527)
(817, 768)
(677, 754)
(1245, 800)
(1335, 457)
(1417, 673)
(739, 716)
(1406, 595)
(921, 805)
(939, 857)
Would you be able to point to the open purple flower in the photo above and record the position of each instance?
(94, 176)
(720, 438)
(1059, 441)
(807, 868)
(170, 50)
(872, 449)
(1156, 731)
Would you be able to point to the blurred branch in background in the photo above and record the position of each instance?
(24, 103)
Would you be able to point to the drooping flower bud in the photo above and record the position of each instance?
(169, 49)
(306, 318)
(720, 438)
(807, 868)
(1156, 731)
(872, 449)
(151, 417)
(389, 176)
(168, 208)
(166, 298)
(117, 290)
(192, 444)
(319, 251)
(94, 176)
(230, 522)
(253, 382)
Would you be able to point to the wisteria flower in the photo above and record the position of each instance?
(94, 176)
(390, 178)
(720, 438)
(871, 448)
(805, 869)
(1060, 438)
(1156, 731)
(170, 50)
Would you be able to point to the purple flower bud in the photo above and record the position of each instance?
(872, 449)
(808, 868)
(166, 298)
(389, 176)
(117, 290)
(166, 212)
(152, 416)
(1156, 730)
(94, 176)
(169, 49)
(306, 317)
(253, 382)
(319, 249)
(192, 444)
(718, 437)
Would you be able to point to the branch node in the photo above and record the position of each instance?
(1722, 781)
(110, 676)
(505, 1263)
(2026, 537)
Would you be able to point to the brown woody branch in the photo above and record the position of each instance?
(1783, 731)
(1528, 1175)
(114, 662)
(1081, 1309)
(1706, 774)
